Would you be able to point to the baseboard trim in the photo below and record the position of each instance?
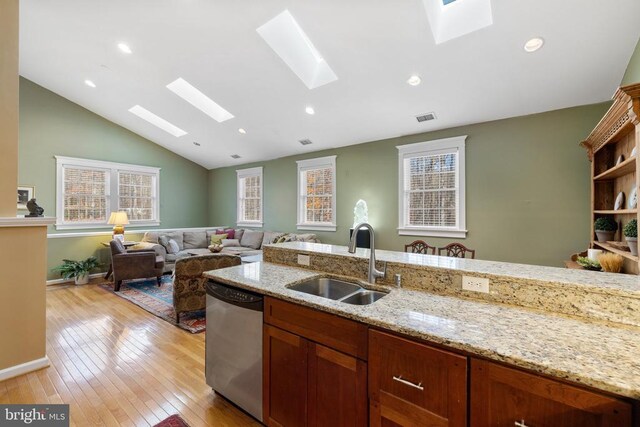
(24, 368)
(60, 281)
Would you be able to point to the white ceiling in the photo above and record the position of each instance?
(373, 46)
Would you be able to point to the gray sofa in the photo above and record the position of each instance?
(187, 242)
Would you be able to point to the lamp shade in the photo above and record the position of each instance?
(118, 218)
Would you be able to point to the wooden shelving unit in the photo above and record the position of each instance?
(618, 133)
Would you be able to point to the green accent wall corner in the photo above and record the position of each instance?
(632, 74)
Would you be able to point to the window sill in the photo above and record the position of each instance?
(250, 224)
(406, 231)
(317, 227)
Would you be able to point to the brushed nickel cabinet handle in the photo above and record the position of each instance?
(409, 383)
(520, 424)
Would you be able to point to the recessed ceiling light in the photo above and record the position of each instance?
(414, 80)
(89, 83)
(310, 111)
(533, 44)
(202, 102)
(293, 46)
(235, 156)
(197, 144)
(305, 141)
(124, 47)
(242, 131)
(147, 115)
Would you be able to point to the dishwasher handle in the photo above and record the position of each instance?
(235, 296)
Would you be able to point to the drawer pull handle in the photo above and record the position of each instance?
(520, 424)
(409, 383)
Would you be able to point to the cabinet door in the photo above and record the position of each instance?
(285, 378)
(337, 388)
(505, 397)
(412, 384)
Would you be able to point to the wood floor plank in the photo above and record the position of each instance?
(117, 365)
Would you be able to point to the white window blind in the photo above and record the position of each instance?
(86, 195)
(316, 192)
(136, 195)
(89, 190)
(249, 203)
(432, 188)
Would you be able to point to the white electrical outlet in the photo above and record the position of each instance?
(475, 284)
(304, 260)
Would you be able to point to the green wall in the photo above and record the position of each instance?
(632, 75)
(52, 125)
(527, 185)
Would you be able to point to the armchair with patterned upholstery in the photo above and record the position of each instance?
(189, 292)
(134, 264)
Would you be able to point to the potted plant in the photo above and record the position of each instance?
(605, 227)
(79, 270)
(631, 234)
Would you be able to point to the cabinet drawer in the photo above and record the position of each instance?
(502, 396)
(333, 331)
(404, 374)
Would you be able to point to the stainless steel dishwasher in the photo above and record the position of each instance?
(234, 345)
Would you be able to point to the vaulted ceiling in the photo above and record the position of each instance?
(372, 47)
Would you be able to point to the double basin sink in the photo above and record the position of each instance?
(338, 290)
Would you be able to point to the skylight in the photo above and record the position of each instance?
(202, 102)
(291, 44)
(450, 19)
(147, 115)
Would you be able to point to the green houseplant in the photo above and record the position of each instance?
(631, 234)
(79, 270)
(606, 228)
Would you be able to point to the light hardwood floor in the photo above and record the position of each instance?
(116, 364)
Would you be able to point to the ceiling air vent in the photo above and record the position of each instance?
(235, 156)
(305, 141)
(426, 117)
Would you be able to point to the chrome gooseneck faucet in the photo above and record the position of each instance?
(373, 272)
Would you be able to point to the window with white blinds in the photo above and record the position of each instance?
(317, 194)
(431, 193)
(89, 190)
(249, 203)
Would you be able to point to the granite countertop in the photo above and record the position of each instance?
(619, 284)
(602, 355)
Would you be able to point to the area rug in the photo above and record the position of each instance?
(158, 300)
(173, 421)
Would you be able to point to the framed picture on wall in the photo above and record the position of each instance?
(24, 195)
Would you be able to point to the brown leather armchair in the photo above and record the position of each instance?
(134, 264)
(189, 293)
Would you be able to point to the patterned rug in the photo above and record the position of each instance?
(158, 300)
(172, 421)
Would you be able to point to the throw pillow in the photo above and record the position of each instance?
(238, 234)
(228, 243)
(177, 236)
(164, 241)
(216, 239)
(173, 247)
(252, 239)
(283, 238)
(150, 237)
(195, 239)
(230, 232)
(271, 237)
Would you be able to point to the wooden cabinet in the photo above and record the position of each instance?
(611, 148)
(505, 397)
(412, 384)
(307, 383)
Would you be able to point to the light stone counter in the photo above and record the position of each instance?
(599, 354)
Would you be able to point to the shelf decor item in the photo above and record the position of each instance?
(611, 263)
(79, 270)
(589, 264)
(619, 202)
(620, 159)
(632, 202)
(631, 234)
(606, 228)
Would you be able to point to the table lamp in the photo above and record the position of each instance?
(118, 220)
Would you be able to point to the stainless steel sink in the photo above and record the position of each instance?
(326, 288)
(338, 290)
(363, 297)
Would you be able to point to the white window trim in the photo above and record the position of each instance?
(310, 164)
(245, 173)
(112, 181)
(445, 145)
